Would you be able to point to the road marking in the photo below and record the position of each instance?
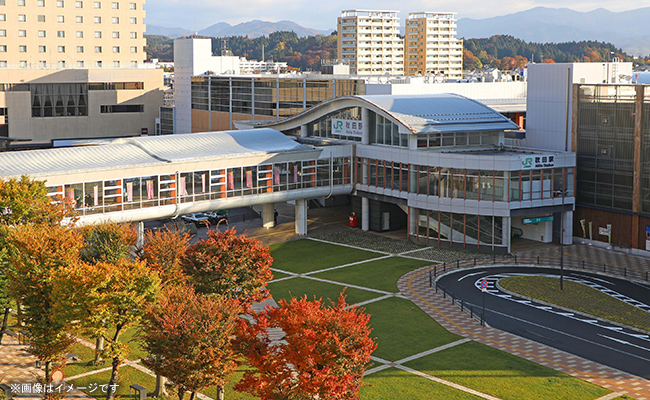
(625, 342)
(468, 275)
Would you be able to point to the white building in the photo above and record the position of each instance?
(369, 40)
(432, 46)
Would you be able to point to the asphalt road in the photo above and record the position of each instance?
(605, 343)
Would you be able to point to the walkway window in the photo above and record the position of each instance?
(167, 191)
(132, 193)
(94, 197)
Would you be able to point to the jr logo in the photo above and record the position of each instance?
(527, 162)
(338, 125)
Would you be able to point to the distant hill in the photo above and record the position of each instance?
(252, 29)
(628, 30)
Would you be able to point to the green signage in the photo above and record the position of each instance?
(537, 220)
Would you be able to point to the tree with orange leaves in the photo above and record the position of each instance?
(189, 338)
(322, 355)
(164, 251)
(230, 265)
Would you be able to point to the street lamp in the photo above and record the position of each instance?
(562, 242)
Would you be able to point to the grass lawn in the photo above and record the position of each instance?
(503, 375)
(86, 356)
(127, 377)
(579, 297)
(402, 329)
(306, 255)
(380, 274)
(278, 275)
(298, 287)
(393, 383)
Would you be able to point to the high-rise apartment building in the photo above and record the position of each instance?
(431, 45)
(72, 33)
(369, 40)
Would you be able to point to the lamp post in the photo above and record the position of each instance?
(562, 243)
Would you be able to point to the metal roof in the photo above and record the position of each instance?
(124, 152)
(441, 113)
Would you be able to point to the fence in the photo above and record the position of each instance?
(476, 311)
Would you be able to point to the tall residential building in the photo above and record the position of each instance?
(72, 34)
(431, 45)
(369, 40)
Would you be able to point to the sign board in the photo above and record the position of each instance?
(537, 161)
(603, 231)
(484, 284)
(537, 220)
(347, 127)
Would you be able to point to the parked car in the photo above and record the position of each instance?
(218, 216)
(197, 219)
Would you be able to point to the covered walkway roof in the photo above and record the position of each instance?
(427, 113)
(149, 151)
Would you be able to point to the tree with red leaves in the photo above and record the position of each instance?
(189, 338)
(230, 265)
(322, 355)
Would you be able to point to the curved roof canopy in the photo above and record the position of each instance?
(417, 113)
(152, 150)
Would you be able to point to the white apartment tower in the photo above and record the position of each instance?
(369, 40)
(432, 46)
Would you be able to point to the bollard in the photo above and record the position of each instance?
(462, 305)
(482, 320)
(453, 299)
(583, 264)
(625, 272)
(444, 267)
(646, 276)
(444, 293)
(537, 260)
(430, 279)
(475, 261)
(604, 267)
(494, 259)
(457, 264)
(515, 259)
(471, 311)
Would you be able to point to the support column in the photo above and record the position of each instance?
(567, 221)
(365, 214)
(365, 118)
(364, 171)
(413, 221)
(267, 215)
(303, 131)
(506, 237)
(301, 217)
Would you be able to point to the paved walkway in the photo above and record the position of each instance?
(415, 286)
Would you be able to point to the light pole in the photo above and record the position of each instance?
(562, 244)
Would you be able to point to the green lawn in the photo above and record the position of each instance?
(579, 297)
(278, 275)
(306, 255)
(86, 357)
(393, 383)
(503, 375)
(127, 376)
(402, 329)
(298, 287)
(381, 274)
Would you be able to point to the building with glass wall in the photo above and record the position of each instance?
(437, 165)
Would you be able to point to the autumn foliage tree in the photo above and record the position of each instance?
(323, 354)
(39, 254)
(230, 265)
(164, 252)
(189, 338)
(107, 299)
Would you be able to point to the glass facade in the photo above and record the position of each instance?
(605, 152)
(268, 97)
(137, 192)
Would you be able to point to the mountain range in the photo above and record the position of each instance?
(628, 30)
(252, 29)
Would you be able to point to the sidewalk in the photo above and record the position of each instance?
(415, 286)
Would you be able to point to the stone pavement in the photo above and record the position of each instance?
(415, 286)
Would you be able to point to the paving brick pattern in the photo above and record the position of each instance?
(415, 286)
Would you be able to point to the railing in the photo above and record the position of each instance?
(542, 262)
(476, 311)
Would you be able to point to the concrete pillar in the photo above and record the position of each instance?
(303, 131)
(301, 217)
(413, 221)
(365, 118)
(567, 221)
(413, 179)
(365, 214)
(267, 215)
(505, 232)
(364, 171)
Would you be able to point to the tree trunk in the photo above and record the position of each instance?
(220, 393)
(192, 395)
(4, 323)
(99, 347)
(47, 372)
(160, 390)
(181, 393)
(110, 394)
(19, 314)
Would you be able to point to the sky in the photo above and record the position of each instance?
(318, 14)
